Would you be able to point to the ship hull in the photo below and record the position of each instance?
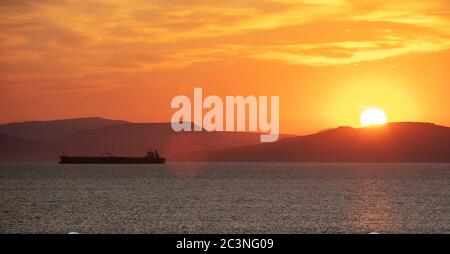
(110, 160)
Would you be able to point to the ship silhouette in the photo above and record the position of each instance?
(152, 157)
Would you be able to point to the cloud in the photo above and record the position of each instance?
(66, 39)
(347, 52)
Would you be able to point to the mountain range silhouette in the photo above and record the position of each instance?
(393, 142)
(46, 140)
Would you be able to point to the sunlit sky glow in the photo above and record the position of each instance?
(325, 59)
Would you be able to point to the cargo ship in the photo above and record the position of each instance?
(150, 158)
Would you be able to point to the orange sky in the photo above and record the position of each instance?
(327, 60)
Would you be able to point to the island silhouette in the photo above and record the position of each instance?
(393, 142)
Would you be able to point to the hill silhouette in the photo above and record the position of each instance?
(46, 140)
(394, 142)
(52, 130)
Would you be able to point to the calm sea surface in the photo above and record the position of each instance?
(225, 198)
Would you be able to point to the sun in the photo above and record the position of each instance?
(373, 116)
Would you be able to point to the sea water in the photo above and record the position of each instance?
(225, 198)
